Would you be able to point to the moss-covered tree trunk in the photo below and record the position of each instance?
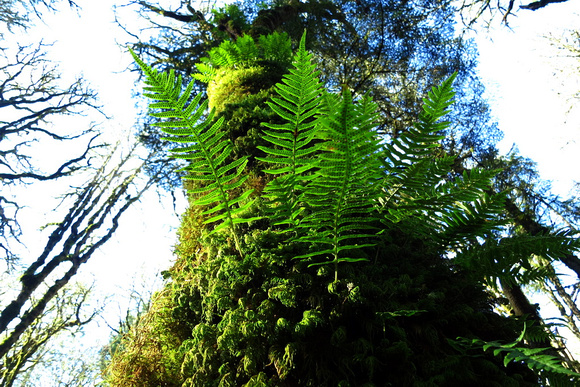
(263, 318)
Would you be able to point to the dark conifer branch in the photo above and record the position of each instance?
(193, 17)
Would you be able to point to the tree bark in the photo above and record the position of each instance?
(519, 302)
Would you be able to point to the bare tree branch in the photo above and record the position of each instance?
(473, 11)
(62, 171)
(540, 4)
(193, 17)
(62, 314)
(89, 223)
(30, 100)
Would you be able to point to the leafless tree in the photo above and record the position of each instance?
(92, 219)
(30, 100)
(16, 13)
(476, 10)
(64, 313)
(37, 302)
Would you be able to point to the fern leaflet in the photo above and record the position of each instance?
(413, 176)
(244, 52)
(534, 358)
(505, 258)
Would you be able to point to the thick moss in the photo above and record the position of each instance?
(233, 86)
(148, 356)
(268, 317)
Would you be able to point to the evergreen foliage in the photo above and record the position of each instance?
(265, 318)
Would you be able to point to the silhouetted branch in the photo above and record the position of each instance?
(30, 101)
(193, 17)
(90, 222)
(540, 4)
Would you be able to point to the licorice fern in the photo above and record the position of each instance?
(299, 106)
(345, 185)
(182, 116)
(244, 52)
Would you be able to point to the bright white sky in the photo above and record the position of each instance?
(523, 84)
(530, 84)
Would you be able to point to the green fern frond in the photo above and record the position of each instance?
(226, 54)
(418, 182)
(244, 52)
(469, 187)
(345, 185)
(410, 169)
(276, 47)
(207, 72)
(435, 106)
(298, 105)
(535, 358)
(503, 259)
(425, 186)
(183, 116)
(469, 219)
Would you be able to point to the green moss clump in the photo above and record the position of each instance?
(147, 357)
(268, 318)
